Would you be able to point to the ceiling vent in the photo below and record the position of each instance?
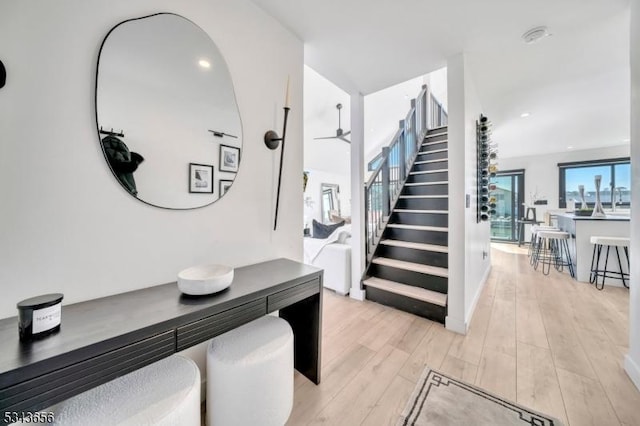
(535, 34)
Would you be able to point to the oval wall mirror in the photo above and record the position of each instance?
(166, 112)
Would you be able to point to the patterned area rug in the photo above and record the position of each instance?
(444, 401)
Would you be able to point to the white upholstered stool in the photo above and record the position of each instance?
(165, 393)
(250, 374)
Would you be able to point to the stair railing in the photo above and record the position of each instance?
(383, 187)
(439, 117)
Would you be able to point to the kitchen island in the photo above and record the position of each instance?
(581, 229)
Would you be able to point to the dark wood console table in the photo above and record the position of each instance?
(105, 338)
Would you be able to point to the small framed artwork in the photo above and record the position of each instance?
(200, 178)
(229, 158)
(224, 186)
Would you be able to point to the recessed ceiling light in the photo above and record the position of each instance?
(535, 34)
(525, 114)
(204, 63)
(569, 147)
(626, 140)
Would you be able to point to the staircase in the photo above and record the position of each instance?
(408, 258)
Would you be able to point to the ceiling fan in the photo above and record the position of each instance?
(340, 134)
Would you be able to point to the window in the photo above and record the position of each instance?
(616, 181)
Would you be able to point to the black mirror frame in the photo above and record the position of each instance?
(95, 109)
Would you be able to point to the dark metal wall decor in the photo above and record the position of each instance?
(487, 167)
(271, 140)
(119, 134)
(189, 131)
(3, 75)
(218, 134)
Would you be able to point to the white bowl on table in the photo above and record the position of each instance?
(205, 279)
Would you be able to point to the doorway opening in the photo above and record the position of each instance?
(509, 199)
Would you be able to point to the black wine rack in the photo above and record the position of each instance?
(487, 167)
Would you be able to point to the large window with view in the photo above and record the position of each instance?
(615, 189)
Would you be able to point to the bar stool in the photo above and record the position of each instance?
(552, 247)
(599, 243)
(534, 237)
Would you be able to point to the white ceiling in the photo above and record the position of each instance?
(575, 83)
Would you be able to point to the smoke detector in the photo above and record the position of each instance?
(535, 34)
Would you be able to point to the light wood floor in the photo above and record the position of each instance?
(547, 342)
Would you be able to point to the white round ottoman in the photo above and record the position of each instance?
(165, 393)
(250, 374)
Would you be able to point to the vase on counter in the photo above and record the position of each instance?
(598, 211)
(583, 206)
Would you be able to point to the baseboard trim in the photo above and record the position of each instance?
(633, 370)
(356, 293)
(474, 303)
(459, 325)
(455, 324)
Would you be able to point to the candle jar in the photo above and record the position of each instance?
(39, 316)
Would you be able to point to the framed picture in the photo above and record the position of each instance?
(229, 158)
(224, 186)
(200, 178)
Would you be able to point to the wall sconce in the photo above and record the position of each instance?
(3, 75)
(271, 140)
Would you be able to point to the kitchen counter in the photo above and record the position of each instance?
(581, 229)
(611, 216)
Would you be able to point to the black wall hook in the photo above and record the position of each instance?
(3, 75)
(112, 133)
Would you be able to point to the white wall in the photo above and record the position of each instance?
(632, 360)
(437, 82)
(383, 110)
(457, 247)
(542, 173)
(477, 235)
(469, 261)
(66, 225)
